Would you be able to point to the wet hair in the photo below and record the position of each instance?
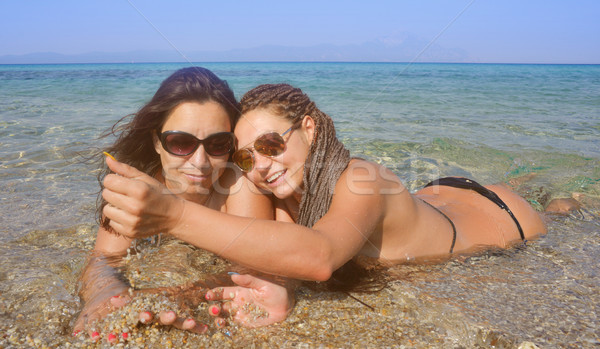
(326, 161)
(135, 146)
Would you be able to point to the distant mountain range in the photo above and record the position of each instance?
(405, 49)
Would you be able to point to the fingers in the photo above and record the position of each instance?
(114, 213)
(123, 196)
(123, 169)
(214, 310)
(139, 188)
(190, 325)
(119, 221)
(129, 172)
(221, 294)
(220, 322)
(247, 280)
(170, 318)
(167, 317)
(229, 309)
(225, 309)
(125, 186)
(221, 310)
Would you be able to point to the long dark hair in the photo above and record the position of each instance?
(134, 145)
(326, 161)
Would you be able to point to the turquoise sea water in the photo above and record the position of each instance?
(491, 122)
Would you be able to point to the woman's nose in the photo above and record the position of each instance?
(200, 159)
(262, 162)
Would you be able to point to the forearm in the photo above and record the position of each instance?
(279, 248)
(101, 276)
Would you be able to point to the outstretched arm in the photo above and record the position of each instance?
(139, 208)
(243, 200)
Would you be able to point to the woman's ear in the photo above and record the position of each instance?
(157, 145)
(309, 128)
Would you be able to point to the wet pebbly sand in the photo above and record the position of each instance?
(541, 294)
(329, 320)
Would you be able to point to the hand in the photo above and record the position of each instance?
(253, 303)
(138, 205)
(188, 297)
(96, 309)
(94, 312)
(170, 318)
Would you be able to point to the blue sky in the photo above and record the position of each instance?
(512, 31)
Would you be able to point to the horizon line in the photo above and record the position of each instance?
(347, 62)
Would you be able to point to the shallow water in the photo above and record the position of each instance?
(488, 122)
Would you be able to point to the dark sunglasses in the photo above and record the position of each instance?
(181, 143)
(270, 144)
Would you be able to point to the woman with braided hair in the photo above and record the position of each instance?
(343, 207)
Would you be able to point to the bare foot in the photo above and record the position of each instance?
(563, 206)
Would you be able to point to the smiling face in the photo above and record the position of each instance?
(196, 173)
(282, 174)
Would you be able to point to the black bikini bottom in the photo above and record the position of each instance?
(464, 183)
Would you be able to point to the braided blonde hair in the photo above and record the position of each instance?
(326, 161)
(327, 158)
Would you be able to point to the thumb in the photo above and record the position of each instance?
(247, 281)
(123, 169)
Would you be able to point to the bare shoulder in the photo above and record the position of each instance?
(241, 197)
(369, 188)
(362, 175)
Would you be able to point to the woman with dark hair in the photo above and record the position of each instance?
(344, 207)
(181, 138)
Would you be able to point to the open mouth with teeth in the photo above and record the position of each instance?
(275, 176)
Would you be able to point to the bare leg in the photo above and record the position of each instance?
(560, 206)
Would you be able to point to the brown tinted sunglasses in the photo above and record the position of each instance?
(270, 144)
